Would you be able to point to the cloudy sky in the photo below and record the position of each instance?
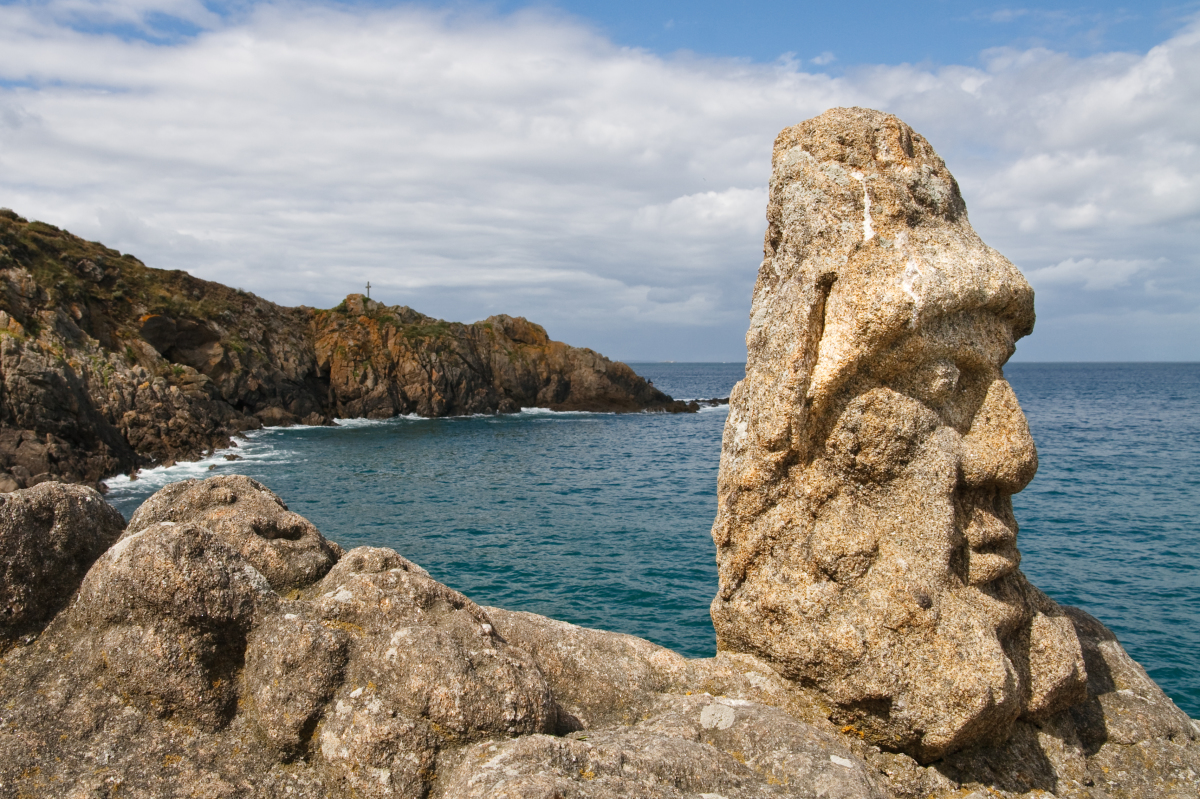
(600, 167)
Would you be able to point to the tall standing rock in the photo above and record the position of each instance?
(865, 534)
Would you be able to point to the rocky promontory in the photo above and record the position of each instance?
(876, 638)
(107, 365)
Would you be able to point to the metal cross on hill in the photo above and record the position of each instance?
(368, 289)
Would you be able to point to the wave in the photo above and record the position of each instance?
(364, 422)
(249, 449)
(548, 412)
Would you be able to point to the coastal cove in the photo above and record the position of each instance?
(603, 519)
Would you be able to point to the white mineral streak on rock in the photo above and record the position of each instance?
(868, 232)
(912, 273)
(841, 761)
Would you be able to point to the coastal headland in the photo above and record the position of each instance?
(107, 365)
(876, 636)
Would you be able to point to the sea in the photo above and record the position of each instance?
(604, 520)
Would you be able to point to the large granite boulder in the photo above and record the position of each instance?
(249, 518)
(49, 537)
(865, 533)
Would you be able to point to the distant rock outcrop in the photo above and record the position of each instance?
(382, 361)
(107, 365)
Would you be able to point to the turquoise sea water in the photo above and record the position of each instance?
(603, 519)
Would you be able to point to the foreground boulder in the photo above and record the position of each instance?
(865, 532)
(49, 537)
(176, 668)
(284, 547)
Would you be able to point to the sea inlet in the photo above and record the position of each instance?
(603, 519)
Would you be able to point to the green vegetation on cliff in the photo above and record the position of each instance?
(107, 365)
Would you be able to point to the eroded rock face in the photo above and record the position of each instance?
(177, 671)
(865, 534)
(49, 537)
(179, 668)
(426, 670)
(250, 519)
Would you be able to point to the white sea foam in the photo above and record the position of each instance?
(248, 449)
(548, 412)
(355, 423)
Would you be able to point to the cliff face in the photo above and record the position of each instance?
(107, 365)
(382, 361)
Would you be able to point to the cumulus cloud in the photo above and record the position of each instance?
(474, 164)
(1091, 274)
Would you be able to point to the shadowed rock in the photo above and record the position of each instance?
(49, 537)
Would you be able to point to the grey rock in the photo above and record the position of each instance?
(252, 520)
(49, 537)
(165, 614)
(293, 666)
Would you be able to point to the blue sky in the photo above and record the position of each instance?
(601, 167)
(848, 33)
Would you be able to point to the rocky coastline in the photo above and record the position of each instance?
(876, 637)
(107, 365)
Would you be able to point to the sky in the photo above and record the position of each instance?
(601, 168)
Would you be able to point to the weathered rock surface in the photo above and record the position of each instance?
(382, 361)
(284, 547)
(176, 669)
(49, 536)
(107, 365)
(865, 536)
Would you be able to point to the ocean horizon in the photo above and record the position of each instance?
(604, 520)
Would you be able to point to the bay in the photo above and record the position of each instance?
(604, 519)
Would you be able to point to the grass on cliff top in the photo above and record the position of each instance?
(129, 287)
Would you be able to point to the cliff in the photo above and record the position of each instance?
(107, 365)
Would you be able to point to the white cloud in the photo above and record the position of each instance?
(469, 165)
(1094, 275)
